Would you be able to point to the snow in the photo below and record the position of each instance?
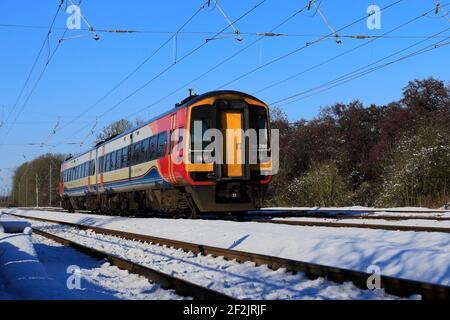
(99, 280)
(243, 281)
(401, 212)
(409, 222)
(21, 273)
(421, 256)
(37, 269)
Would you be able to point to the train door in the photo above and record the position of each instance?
(231, 122)
(172, 140)
(93, 170)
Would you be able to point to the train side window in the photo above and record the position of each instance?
(136, 150)
(118, 159)
(153, 147)
(162, 145)
(129, 155)
(113, 161)
(92, 167)
(144, 150)
(124, 157)
(100, 165)
(107, 162)
(84, 170)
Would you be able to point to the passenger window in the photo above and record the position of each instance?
(144, 150)
(153, 147)
(136, 152)
(162, 144)
(124, 157)
(107, 162)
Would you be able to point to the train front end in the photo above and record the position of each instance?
(229, 162)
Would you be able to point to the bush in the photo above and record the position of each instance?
(419, 174)
(322, 185)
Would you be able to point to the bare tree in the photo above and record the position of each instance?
(116, 128)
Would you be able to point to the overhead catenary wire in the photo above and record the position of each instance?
(324, 62)
(290, 17)
(239, 52)
(49, 59)
(33, 67)
(357, 73)
(286, 55)
(267, 34)
(435, 46)
(169, 67)
(137, 68)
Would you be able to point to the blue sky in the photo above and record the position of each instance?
(83, 69)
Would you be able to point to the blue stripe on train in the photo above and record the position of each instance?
(152, 176)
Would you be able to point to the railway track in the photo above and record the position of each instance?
(166, 281)
(354, 225)
(391, 285)
(267, 218)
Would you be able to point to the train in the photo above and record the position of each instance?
(167, 164)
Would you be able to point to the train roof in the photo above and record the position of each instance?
(183, 104)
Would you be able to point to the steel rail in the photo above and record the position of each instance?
(395, 286)
(389, 227)
(180, 286)
(336, 215)
(325, 213)
(265, 219)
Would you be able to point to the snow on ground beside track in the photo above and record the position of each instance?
(400, 212)
(99, 280)
(240, 280)
(409, 222)
(421, 256)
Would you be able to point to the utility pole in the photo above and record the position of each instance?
(26, 193)
(18, 197)
(37, 192)
(50, 185)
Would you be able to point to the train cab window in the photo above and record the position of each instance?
(200, 122)
(162, 145)
(258, 121)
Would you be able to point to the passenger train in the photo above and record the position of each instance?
(161, 167)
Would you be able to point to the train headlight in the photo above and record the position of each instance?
(198, 158)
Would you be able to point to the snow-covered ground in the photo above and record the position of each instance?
(99, 280)
(422, 256)
(409, 222)
(37, 268)
(243, 281)
(400, 212)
